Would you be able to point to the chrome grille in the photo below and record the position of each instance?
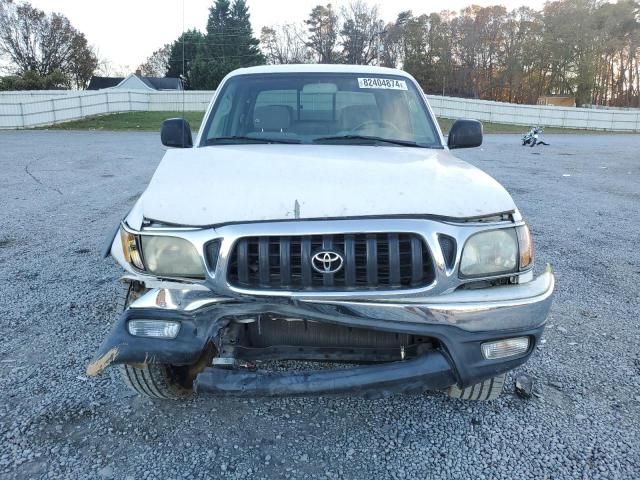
(371, 261)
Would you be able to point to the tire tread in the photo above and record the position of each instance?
(153, 380)
(486, 390)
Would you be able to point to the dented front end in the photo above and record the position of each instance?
(439, 339)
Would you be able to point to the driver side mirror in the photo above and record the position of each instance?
(465, 134)
(176, 132)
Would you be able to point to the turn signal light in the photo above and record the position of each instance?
(509, 347)
(525, 245)
(130, 249)
(154, 328)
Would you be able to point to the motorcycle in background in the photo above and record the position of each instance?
(532, 138)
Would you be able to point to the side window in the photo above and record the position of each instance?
(222, 114)
(418, 119)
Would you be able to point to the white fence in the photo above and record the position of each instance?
(24, 111)
(32, 109)
(548, 116)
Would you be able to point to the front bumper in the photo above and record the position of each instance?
(460, 322)
(429, 371)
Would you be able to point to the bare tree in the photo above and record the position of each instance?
(33, 41)
(361, 33)
(158, 63)
(284, 44)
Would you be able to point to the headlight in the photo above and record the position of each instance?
(490, 253)
(171, 257)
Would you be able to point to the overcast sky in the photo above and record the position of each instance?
(126, 32)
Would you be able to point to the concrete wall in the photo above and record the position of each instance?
(31, 109)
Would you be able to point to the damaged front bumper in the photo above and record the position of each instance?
(460, 322)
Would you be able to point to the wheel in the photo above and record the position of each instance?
(155, 381)
(487, 390)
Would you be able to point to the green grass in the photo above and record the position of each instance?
(151, 121)
(130, 121)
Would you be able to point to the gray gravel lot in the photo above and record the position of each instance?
(62, 192)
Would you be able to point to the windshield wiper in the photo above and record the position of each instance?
(241, 139)
(370, 138)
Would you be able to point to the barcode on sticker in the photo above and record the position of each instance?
(385, 83)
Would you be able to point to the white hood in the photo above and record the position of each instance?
(239, 183)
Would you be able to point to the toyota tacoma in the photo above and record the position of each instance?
(320, 216)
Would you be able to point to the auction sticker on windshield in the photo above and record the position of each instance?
(385, 83)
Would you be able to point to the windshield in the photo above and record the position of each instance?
(319, 108)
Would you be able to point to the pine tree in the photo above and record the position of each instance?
(323, 33)
(192, 40)
(241, 36)
(229, 44)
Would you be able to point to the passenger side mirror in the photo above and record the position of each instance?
(176, 132)
(465, 134)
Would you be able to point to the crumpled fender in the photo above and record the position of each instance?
(120, 346)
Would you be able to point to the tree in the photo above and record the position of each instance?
(617, 78)
(33, 41)
(182, 54)
(521, 59)
(572, 47)
(229, 44)
(284, 44)
(427, 52)
(246, 47)
(32, 80)
(361, 33)
(83, 62)
(158, 63)
(393, 36)
(323, 33)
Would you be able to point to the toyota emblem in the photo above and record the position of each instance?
(327, 261)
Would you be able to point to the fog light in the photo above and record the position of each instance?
(509, 347)
(154, 328)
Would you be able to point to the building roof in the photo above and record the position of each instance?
(98, 83)
(154, 83)
(159, 83)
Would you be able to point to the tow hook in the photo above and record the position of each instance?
(230, 363)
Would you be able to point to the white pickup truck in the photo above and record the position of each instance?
(320, 216)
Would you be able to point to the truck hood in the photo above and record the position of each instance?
(243, 183)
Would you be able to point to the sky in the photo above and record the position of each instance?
(126, 32)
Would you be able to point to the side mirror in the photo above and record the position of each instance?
(176, 132)
(465, 134)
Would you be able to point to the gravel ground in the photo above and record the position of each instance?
(61, 193)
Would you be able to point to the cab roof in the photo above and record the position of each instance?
(319, 68)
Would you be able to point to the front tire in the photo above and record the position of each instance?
(487, 390)
(156, 381)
